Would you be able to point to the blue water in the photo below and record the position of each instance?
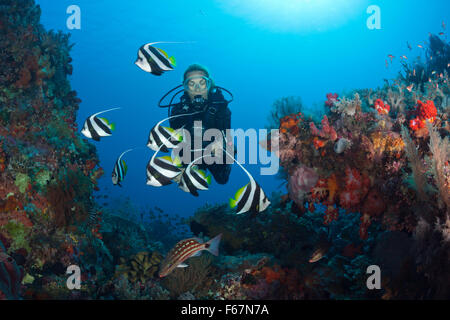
(258, 52)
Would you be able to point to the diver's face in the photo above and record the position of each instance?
(197, 83)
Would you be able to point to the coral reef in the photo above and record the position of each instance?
(367, 182)
(45, 182)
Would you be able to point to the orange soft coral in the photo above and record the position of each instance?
(325, 190)
(318, 143)
(332, 185)
(290, 123)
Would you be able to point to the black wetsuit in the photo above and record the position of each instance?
(215, 114)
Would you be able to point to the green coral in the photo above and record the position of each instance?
(22, 182)
(42, 177)
(142, 267)
(19, 233)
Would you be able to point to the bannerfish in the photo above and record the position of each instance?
(193, 179)
(165, 138)
(186, 249)
(161, 170)
(250, 197)
(120, 170)
(153, 60)
(95, 127)
(95, 217)
(341, 145)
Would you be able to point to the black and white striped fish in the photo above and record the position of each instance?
(161, 170)
(120, 170)
(193, 179)
(250, 197)
(95, 217)
(95, 127)
(154, 60)
(165, 138)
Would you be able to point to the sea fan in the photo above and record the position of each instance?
(416, 164)
(440, 149)
(283, 107)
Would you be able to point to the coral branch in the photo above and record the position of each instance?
(416, 164)
(440, 149)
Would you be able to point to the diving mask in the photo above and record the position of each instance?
(197, 84)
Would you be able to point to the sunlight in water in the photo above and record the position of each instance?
(295, 15)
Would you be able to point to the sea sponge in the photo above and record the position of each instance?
(18, 234)
(42, 177)
(22, 181)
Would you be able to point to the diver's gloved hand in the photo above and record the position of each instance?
(217, 147)
(198, 103)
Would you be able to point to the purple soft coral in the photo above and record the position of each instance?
(301, 182)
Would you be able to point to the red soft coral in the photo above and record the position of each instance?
(416, 124)
(381, 107)
(327, 131)
(331, 213)
(320, 191)
(349, 198)
(427, 110)
(364, 226)
(331, 99)
(424, 111)
(353, 180)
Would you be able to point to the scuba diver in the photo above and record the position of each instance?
(207, 103)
